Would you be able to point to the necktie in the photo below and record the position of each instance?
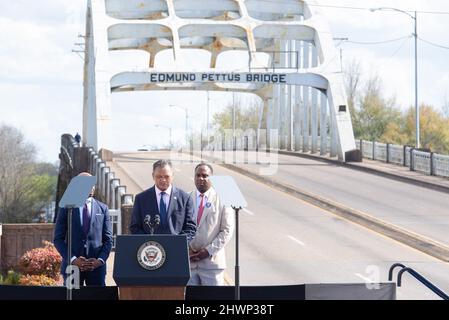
(200, 210)
(86, 220)
(163, 210)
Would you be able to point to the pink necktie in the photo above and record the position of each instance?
(200, 210)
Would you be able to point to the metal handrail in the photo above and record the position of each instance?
(390, 272)
(418, 277)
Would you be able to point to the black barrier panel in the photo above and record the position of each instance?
(386, 291)
(294, 292)
(56, 293)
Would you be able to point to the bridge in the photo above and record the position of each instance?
(313, 216)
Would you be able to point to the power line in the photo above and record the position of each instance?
(369, 9)
(433, 12)
(433, 44)
(338, 7)
(379, 42)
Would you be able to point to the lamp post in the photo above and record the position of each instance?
(169, 128)
(415, 35)
(187, 120)
(207, 120)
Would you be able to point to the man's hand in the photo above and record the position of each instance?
(93, 264)
(200, 255)
(81, 263)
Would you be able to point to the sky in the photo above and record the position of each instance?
(41, 78)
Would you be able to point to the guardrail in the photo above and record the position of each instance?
(419, 160)
(423, 161)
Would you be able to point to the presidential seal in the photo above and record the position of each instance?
(151, 255)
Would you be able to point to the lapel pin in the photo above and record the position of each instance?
(208, 204)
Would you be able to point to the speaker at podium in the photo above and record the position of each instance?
(151, 267)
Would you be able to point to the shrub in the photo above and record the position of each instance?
(12, 278)
(44, 261)
(37, 280)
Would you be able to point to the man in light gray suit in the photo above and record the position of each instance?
(215, 226)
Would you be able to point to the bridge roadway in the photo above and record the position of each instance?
(285, 240)
(411, 207)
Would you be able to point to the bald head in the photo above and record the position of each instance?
(84, 174)
(87, 174)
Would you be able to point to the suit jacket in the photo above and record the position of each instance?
(179, 213)
(214, 231)
(99, 238)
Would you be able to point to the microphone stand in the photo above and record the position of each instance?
(237, 266)
(69, 250)
(155, 223)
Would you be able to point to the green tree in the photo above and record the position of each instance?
(245, 117)
(375, 113)
(26, 185)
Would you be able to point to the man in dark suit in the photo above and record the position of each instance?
(91, 240)
(171, 204)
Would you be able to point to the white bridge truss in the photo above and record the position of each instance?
(283, 38)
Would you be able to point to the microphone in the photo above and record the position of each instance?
(157, 220)
(147, 220)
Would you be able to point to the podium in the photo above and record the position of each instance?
(151, 267)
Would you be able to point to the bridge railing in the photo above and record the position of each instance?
(423, 161)
(76, 159)
(111, 192)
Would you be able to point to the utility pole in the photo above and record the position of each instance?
(207, 121)
(341, 51)
(415, 35)
(233, 121)
(187, 121)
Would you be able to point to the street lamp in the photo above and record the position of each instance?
(187, 120)
(167, 127)
(415, 34)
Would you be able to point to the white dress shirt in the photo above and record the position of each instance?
(89, 208)
(198, 199)
(166, 196)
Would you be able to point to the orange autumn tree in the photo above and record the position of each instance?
(434, 129)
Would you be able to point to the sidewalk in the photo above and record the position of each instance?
(387, 170)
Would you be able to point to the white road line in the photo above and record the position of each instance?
(367, 280)
(296, 240)
(249, 212)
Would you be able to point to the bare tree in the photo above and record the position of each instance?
(352, 83)
(445, 107)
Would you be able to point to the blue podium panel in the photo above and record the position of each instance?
(151, 260)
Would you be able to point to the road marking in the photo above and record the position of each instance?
(249, 212)
(367, 280)
(296, 240)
